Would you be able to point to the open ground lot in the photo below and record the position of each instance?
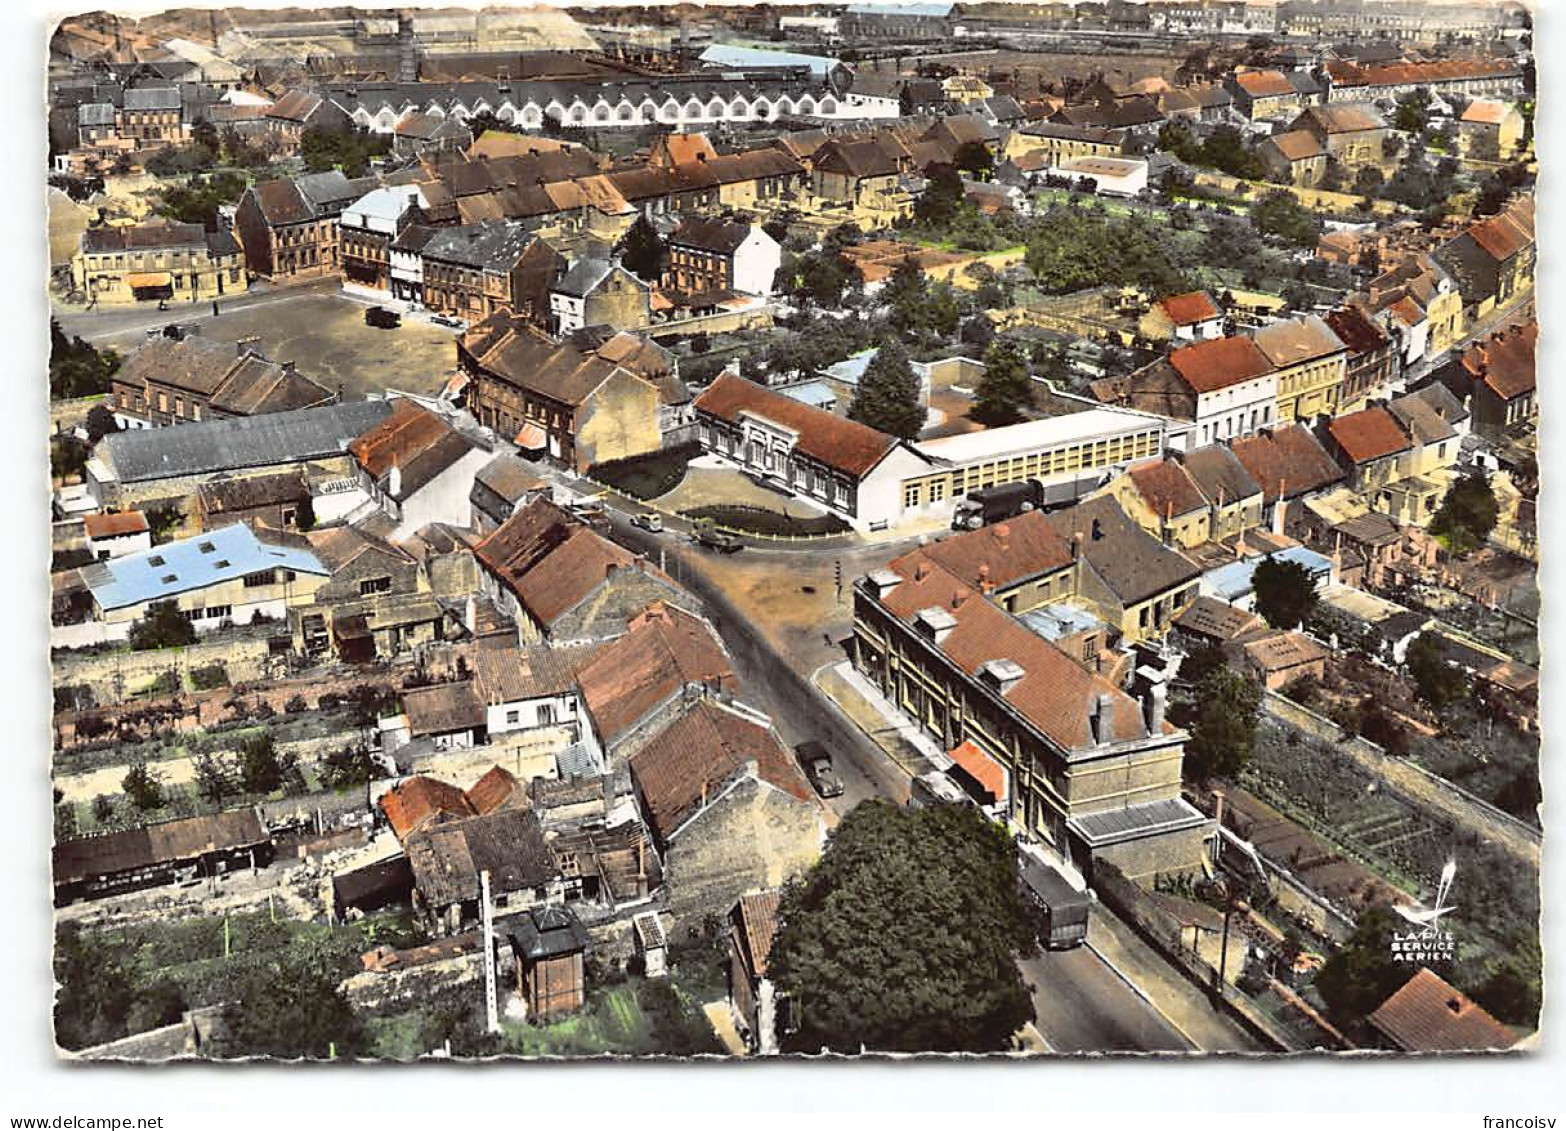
(324, 334)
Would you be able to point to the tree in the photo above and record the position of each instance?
(1414, 185)
(978, 331)
(1467, 514)
(888, 395)
(100, 423)
(1285, 593)
(103, 809)
(1436, 680)
(1364, 972)
(214, 779)
(291, 1009)
(642, 251)
(143, 786)
(1413, 111)
(1222, 724)
(975, 159)
(348, 766)
(906, 293)
(904, 936)
(1201, 662)
(1368, 181)
(262, 768)
(1280, 214)
(76, 369)
(1005, 389)
(1073, 249)
(938, 204)
(165, 625)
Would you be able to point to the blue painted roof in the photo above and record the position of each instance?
(1234, 579)
(1056, 622)
(816, 393)
(937, 10)
(852, 368)
(192, 563)
(732, 55)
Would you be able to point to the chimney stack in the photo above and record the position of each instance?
(1101, 718)
(394, 481)
(1154, 704)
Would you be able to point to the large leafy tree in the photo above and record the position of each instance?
(292, 1008)
(165, 625)
(1074, 249)
(904, 937)
(1363, 973)
(1436, 680)
(938, 204)
(1280, 214)
(642, 251)
(1005, 389)
(76, 369)
(1222, 722)
(1467, 514)
(1285, 593)
(888, 395)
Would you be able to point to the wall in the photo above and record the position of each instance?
(752, 837)
(619, 420)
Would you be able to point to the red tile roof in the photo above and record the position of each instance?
(978, 765)
(1219, 363)
(1264, 84)
(665, 650)
(1286, 462)
(1504, 361)
(1002, 554)
(1429, 1015)
(1189, 309)
(758, 915)
(846, 445)
(1373, 433)
(414, 803)
(1055, 694)
(1485, 112)
(688, 763)
(549, 560)
(1359, 333)
(413, 440)
(1167, 488)
(1297, 145)
(115, 525)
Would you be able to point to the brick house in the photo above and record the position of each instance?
(175, 380)
(289, 228)
(158, 261)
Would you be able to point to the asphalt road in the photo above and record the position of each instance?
(799, 711)
(1083, 1006)
(103, 325)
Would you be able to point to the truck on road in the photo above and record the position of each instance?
(817, 764)
(1060, 911)
(706, 533)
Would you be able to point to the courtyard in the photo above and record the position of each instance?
(322, 332)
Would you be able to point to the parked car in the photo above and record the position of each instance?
(382, 319)
(652, 522)
(817, 764)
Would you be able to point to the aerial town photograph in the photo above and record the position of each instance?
(776, 530)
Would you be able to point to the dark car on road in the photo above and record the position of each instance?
(817, 764)
(382, 319)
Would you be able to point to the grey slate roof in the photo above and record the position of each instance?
(584, 275)
(1115, 825)
(146, 454)
(95, 114)
(492, 245)
(153, 98)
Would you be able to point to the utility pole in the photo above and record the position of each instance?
(491, 1020)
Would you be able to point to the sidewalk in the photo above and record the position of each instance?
(1180, 1003)
(907, 746)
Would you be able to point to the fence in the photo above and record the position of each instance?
(1162, 932)
(1452, 801)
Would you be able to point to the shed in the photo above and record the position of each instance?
(549, 944)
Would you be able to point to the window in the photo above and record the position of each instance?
(374, 585)
(256, 580)
(546, 714)
(513, 717)
(912, 494)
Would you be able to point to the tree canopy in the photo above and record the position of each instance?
(1074, 249)
(292, 1008)
(1285, 593)
(1363, 973)
(1281, 214)
(76, 369)
(888, 395)
(1436, 680)
(165, 625)
(904, 936)
(1467, 514)
(642, 251)
(1005, 390)
(1222, 722)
